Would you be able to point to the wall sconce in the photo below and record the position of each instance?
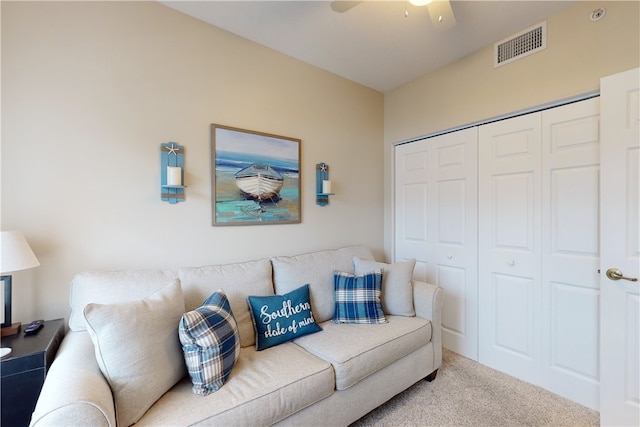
(323, 184)
(172, 172)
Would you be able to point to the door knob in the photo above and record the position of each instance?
(615, 274)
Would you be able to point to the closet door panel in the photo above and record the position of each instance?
(573, 210)
(451, 208)
(511, 145)
(413, 208)
(412, 203)
(509, 246)
(455, 201)
(436, 223)
(454, 319)
(512, 212)
(571, 250)
(574, 308)
(513, 318)
(414, 198)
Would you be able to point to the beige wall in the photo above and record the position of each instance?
(89, 92)
(91, 89)
(579, 52)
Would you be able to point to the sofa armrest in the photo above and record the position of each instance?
(428, 300)
(74, 391)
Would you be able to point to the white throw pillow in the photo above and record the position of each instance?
(138, 349)
(397, 291)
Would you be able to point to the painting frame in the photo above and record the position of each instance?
(5, 301)
(255, 177)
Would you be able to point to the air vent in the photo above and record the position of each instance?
(526, 42)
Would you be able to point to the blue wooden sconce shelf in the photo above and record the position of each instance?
(322, 177)
(172, 172)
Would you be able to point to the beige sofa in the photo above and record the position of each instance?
(332, 377)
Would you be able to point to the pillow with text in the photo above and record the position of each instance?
(281, 318)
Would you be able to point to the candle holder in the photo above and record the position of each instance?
(323, 184)
(172, 172)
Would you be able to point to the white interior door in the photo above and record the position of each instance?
(436, 223)
(620, 236)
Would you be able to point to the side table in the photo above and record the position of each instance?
(24, 369)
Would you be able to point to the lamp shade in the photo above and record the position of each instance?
(16, 254)
(419, 2)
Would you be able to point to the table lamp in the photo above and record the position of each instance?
(15, 255)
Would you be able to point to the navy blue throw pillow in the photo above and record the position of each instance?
(357, 298)
(281, 318)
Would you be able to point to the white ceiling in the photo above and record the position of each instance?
(373, 43)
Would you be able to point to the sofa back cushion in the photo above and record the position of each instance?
(238, 281)
(316, 270)
(112, 287)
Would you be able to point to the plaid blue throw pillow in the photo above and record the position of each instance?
(210, 343)
(357, 298)
(281, 318)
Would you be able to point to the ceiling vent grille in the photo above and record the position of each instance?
(526, 42)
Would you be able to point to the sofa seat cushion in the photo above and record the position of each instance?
(316, 269)
(264, 387)
(359, 350)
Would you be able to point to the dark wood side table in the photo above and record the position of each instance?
(24, 369)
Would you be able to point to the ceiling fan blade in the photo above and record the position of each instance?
(342, 6)
(441, 14)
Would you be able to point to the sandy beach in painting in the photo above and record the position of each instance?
(233, 206)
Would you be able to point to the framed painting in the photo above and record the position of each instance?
(255, 177)
(5, 301)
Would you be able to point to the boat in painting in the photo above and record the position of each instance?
(259, 181)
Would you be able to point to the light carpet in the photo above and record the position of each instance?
(466, 393)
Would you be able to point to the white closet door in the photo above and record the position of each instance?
(571, 251)
(509, 246)
(436, 223)
(539, 248)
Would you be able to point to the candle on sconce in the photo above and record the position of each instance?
(326, 186)
(174, 175)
